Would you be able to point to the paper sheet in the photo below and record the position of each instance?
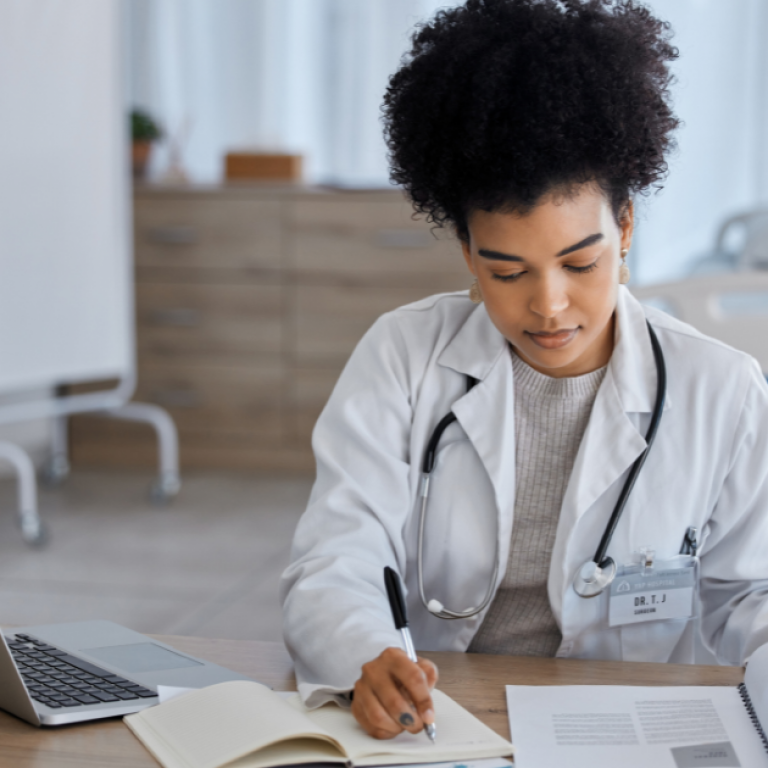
(632, 726)
(491, 762)
(168, 692)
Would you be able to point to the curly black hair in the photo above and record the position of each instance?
(500, 102)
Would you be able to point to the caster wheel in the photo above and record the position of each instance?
(55, 471)
(34, 533)
(164, 489)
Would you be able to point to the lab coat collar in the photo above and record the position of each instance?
(633, 366)
(478, 345)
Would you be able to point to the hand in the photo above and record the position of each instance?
(393, 694)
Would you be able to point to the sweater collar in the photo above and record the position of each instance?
(478, 346)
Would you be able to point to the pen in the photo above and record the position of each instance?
(690, 544)
(397, 604)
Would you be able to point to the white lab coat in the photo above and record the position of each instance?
(708, 468)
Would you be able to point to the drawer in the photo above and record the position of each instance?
(376, 238)
(218, 399)
(99, 442)
(330, 320)
(207, 232)
(211, 321)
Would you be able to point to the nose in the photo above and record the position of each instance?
(549, 297)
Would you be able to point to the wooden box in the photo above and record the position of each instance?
(255, 166)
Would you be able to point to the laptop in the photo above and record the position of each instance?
(53, 674)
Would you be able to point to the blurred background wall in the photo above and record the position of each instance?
(308, 76)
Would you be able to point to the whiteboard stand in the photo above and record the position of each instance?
(56, 468)
(112, 403)
(66, 293)
(168, 482)
(31, 526)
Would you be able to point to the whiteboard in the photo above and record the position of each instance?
(66, 307)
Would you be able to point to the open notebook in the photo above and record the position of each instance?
(245, 725)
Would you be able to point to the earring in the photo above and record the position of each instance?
(624, 269)
(474, 293)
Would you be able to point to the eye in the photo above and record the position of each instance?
(581, 270)
(507, 278)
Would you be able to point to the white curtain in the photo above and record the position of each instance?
(309, 75)
(722, 164)
(298, 75)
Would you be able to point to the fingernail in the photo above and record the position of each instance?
(428, 717)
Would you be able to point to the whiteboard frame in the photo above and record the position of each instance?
(19, 409)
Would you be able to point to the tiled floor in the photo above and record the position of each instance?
(207, 565)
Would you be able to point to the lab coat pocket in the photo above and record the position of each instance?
(654, 641)
(460, 536)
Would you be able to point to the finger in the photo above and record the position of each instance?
(373, 718)
(430, 670)
(415, 683)
(396, 702)
(386, 677)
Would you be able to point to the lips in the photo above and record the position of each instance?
(553, 339)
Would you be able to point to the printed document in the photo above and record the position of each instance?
(633, 726)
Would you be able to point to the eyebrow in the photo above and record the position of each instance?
(585, 243)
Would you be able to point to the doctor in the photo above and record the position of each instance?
(527, 126)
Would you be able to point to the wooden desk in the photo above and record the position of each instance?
(476, 681)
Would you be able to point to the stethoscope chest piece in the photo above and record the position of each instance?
(592, 578)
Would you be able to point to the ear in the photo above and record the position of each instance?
(627, 225)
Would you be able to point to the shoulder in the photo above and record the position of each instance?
(440, 313)
(404, 340)
(699, 351)
(423, 328)
(703, 364)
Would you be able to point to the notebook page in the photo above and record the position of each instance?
(294, 752)
(219, 724)
(756, 681)
(632, 726)
(460, 736)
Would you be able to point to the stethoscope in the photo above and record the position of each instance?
(596, 574)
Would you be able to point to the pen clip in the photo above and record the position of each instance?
(690, 545)
(395, 595)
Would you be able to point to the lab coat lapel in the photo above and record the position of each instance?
(486, 415)
(487, 412)
(611, 443)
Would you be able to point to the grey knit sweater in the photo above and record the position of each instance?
(551, 417)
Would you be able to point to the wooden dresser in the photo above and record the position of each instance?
(249, 300)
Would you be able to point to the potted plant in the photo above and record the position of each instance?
(144, 130)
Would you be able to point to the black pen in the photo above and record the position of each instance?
(397, 604)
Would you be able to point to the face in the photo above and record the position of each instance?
(549, 279)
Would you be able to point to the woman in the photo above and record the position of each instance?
(527, 126)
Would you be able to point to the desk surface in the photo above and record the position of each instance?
(475, 681)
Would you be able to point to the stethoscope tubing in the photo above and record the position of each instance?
(440, 610)
(658, 408)
(428, 465)
(600, 559)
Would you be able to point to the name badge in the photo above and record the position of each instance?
(652, 596)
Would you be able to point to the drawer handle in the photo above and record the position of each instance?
(172, 235)
(179, 317)
(403, 238)
(176, 398)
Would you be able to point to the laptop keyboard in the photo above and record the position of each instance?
(58, 679)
